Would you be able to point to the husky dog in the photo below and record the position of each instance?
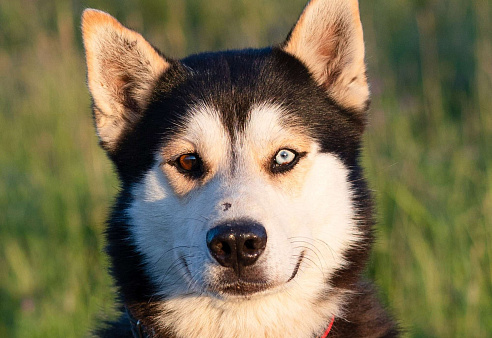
(243, 210)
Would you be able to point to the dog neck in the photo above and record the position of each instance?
(211, 318)
(140, 331)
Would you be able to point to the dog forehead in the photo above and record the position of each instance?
(265, 124)
(263, 97)
(237, 82)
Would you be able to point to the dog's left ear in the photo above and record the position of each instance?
(328, 39)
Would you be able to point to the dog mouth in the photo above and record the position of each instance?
(242, 288)
(232, 285)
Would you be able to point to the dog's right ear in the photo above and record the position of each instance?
(122, 70)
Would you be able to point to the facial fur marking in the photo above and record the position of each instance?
(194, 142)
(167, 219)
(191, 149)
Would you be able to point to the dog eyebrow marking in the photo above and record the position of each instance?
(227, 206)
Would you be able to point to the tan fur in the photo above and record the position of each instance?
(122, 68)
(306, 210)
(181, 184)
(264, 136)
(328, 38)
(206, 129)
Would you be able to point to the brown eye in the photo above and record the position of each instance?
(189, 164)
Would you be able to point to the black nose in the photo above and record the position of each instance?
(237, 243)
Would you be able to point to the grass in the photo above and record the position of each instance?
(428, 154)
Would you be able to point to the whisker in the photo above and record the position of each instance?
(314, 252)
(175, 248)
(314, 246)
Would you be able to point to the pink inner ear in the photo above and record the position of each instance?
(122, 69)
(110, 44)
(328, 39)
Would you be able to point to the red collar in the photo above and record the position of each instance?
(329, 328)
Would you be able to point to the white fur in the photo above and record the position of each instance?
(315, 215)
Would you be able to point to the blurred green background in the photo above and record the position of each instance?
(428, 154)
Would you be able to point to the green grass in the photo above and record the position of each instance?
(428, 154)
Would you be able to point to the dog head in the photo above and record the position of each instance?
(239, 170)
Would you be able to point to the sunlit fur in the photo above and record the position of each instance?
(234, 111)
(329, 40)
(122, 67)
(306, 210)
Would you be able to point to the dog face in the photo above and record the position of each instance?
(240, 176)
(267, 181)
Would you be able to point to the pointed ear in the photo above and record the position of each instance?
(122, 70)
(328, 39)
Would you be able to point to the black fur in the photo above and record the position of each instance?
(232, 81)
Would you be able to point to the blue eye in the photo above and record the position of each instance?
(285, 157)
(284, 160)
